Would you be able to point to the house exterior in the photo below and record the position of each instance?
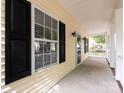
(42, 77)
(50, 75)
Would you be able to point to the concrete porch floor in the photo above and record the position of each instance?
(92, 76)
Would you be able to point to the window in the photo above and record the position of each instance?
(45, 40)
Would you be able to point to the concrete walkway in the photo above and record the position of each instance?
(92, 76)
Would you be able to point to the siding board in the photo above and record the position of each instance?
(2, 43)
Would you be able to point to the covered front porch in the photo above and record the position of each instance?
(45, 46)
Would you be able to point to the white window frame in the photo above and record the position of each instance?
(33, 39)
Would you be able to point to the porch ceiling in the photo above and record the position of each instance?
(93, 14)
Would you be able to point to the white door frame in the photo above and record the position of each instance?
(76, 65)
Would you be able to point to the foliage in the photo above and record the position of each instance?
(100, 39)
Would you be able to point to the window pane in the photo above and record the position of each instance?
(54, 52)
(53, 47)
(38, 61)
(54, 58)
(54, 24)
(39, 31)
(47, 59)
(47, 33)
(39, 17)
(54, 35)
(47, 47)
(38, 47)
(47, 21)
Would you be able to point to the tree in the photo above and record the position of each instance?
(100, 39)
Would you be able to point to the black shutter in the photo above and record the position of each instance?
(18, 32)
(61, 42)
(85, 45)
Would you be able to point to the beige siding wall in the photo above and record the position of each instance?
(41, 81)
